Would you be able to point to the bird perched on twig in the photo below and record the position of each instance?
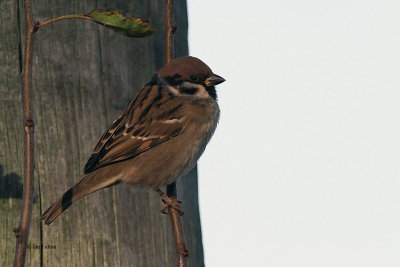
(158, 137)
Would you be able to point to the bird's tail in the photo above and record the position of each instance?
(88, 184)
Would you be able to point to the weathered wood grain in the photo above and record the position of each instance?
(84, 75)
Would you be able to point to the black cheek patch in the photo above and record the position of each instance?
(188, 90)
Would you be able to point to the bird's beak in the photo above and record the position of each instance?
(214, 80)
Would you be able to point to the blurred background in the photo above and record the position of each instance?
(303, 169)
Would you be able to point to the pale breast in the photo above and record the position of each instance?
(168, 161)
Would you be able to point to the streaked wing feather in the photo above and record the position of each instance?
(140, 127)
(94, 157)
(128, 146)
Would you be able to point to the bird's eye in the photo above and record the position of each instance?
(194, 78)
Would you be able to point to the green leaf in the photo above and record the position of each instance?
(131, 27)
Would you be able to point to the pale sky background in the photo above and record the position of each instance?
(304, 168)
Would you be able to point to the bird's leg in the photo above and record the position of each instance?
(169, 202)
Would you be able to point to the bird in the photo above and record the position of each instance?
(158, 138)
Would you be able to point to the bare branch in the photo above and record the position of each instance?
(22, 232)
(169, 30)
(176, 222)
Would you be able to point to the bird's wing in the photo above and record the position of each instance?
(154, 116)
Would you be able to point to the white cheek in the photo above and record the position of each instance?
(201, 90)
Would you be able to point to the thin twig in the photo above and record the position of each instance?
(171, 189)
(77, 16)
(177, 228)
(169, 30)
(22, 232)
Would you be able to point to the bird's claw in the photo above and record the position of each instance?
(174, 203)
(169, 202)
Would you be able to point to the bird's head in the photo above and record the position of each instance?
(190, 76)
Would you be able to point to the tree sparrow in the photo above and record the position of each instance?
(158, 137)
